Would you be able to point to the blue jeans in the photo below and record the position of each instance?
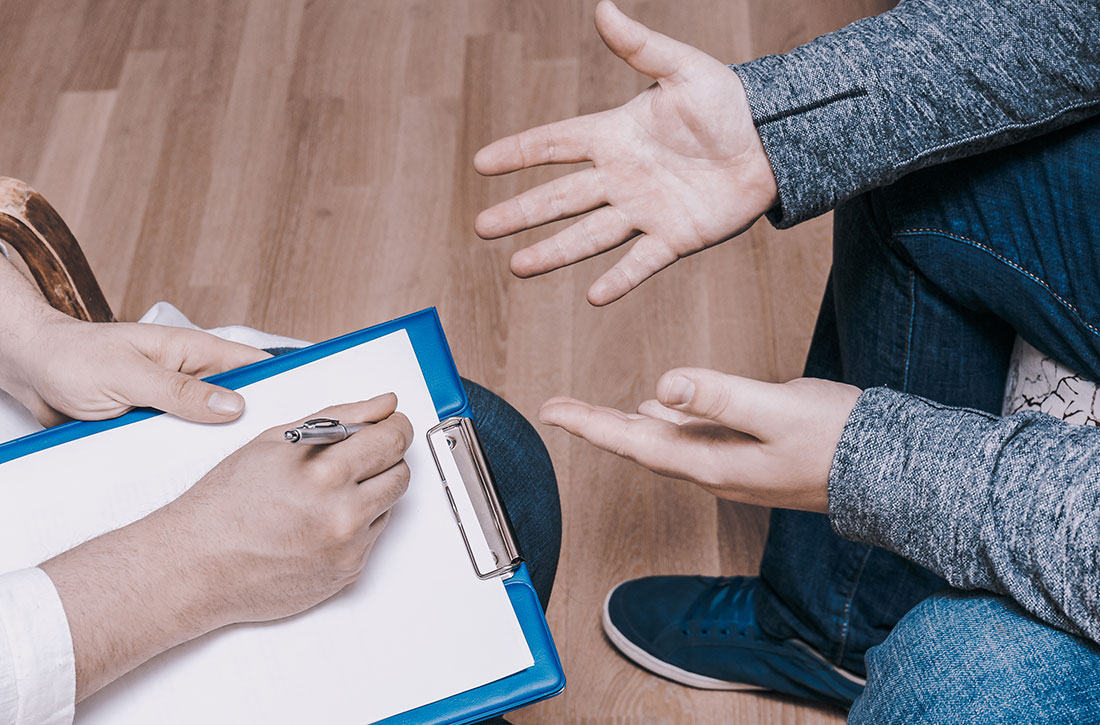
(932, 279)
(975, 658)
(526, 483)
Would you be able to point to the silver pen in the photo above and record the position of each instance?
(322, 431)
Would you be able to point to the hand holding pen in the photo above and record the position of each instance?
(322, 431)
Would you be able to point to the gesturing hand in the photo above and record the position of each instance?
(681, 165)
(770, 444)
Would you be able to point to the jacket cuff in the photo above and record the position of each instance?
(817, 115)
(899, 469)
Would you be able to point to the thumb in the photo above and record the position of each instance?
(646, 51)
(743, 404)
(183, 395)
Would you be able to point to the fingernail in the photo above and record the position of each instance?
(680, 390)
(225, 403)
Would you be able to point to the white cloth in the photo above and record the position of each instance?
(37, 668)
(37, 671)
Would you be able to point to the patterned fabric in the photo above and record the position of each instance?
(1039, 382)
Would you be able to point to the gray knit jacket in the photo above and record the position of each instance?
(1011, 505)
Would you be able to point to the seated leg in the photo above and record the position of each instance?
(977, 658)
(932, 279)
(525, 480)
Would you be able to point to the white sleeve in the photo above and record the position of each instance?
(37, 668)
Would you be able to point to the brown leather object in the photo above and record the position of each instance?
(34, 229)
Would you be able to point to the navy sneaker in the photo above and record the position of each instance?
(702, 632)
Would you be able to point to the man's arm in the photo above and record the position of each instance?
(692, 162)
(1009, 504)
(925, 83)
(271, 531)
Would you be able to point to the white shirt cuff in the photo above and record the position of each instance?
(37, 667)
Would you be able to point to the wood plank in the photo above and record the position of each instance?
(305, 166)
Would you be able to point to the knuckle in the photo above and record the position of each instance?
(401, 477)
(394, 439)
(557, 199)
(588, 235)
(179, 386)
(718, 402)
(344, 525)
(326, 469)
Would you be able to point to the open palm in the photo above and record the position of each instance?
(680, 167)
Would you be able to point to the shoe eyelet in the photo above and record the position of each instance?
(725, 632)
(704, 632)
(685, 631)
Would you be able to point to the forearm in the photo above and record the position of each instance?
(1009, 504)
(131, 594)
(928, 82)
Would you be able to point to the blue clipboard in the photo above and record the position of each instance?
(545, 678)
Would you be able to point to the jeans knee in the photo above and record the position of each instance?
(977, 658)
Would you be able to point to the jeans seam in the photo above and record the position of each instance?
(1034, 278)
(848, 607)
(909, 335)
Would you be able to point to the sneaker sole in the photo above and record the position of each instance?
(659, 667)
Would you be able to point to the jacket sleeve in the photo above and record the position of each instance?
(927, 82)
(1011, 505)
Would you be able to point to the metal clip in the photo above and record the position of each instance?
(320, 423)
(460, 439)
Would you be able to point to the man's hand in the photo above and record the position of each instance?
(769, 444)
(271, 531)
(61, 368)
(681, 165)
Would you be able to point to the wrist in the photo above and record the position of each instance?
(131, 594)
(25, 317)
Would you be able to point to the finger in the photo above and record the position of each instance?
(558, 199)
(751, 406)
(379, 493)
(561, 142)
(647, 257)
(596, 233)
(655, 444)
(376, 448)
(654, 409)
(373, 410)
(179, 394)
(646, 51)
(192, 351)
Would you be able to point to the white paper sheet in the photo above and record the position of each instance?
(417, 627)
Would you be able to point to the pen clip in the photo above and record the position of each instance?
(320, 423)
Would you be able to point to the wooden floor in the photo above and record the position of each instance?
(305, 167)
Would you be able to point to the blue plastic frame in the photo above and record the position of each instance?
(542, 680)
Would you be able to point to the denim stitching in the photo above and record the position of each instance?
(960, 140)
(909, 336)
(1010, 263)
(848, 607)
